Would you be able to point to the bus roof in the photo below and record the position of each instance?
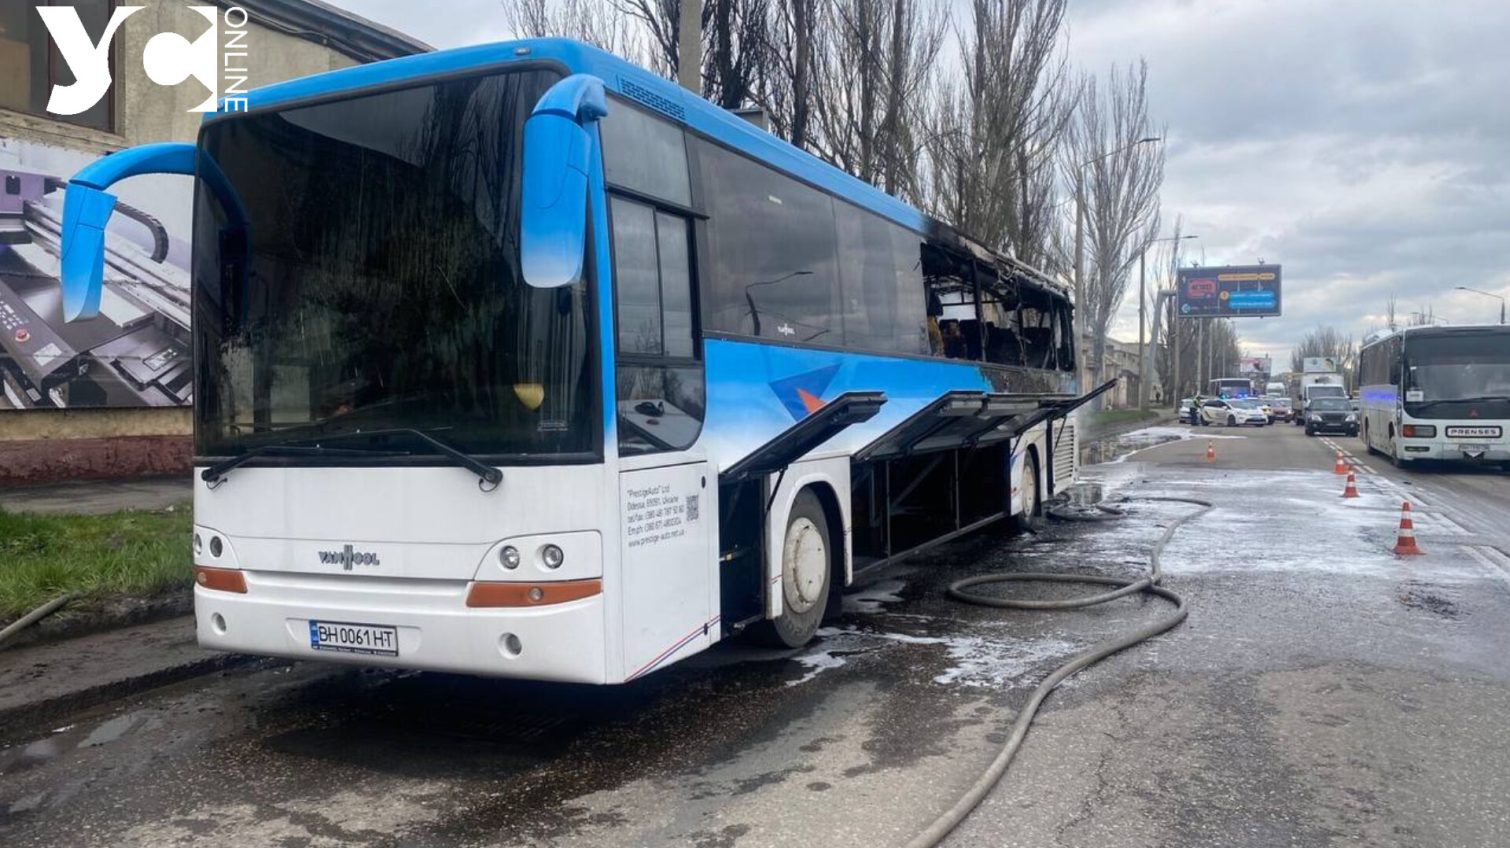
(1434, 330)
(670, 100)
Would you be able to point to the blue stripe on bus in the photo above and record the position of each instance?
(749, 382)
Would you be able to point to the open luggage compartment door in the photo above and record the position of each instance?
(797, 440)
(963, 419)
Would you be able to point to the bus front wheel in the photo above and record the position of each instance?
(806, 574)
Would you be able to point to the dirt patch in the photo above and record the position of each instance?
(1419, 596)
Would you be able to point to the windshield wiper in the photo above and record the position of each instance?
(218, 470)
(314, 445)
(1476, 399)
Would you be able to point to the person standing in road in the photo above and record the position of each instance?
(1195, 410)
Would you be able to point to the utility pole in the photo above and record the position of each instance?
(1080, 361)
(1174, 357)
(1143, 356)
(689, 46)
(1142, 346)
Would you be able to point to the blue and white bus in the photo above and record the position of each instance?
(1437, 393)
(518, 360)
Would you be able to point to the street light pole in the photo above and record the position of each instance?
(1500, 298)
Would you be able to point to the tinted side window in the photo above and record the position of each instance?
(772, 241)
(645, 154)
(880, 270)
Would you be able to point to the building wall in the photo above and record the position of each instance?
(42, 444)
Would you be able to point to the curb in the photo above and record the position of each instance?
(90, 615)
(24, 720)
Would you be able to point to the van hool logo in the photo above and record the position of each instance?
(347, 557)
(168, 58)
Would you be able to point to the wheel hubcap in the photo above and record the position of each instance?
(804, 565)
(1029, 489)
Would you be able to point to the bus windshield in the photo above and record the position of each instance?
(375, 284)
(1460, 366)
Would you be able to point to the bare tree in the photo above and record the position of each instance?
(1119, 180)
(1391, 307)
(735, 44)
(584, 20)
(787, 92)
(873, 64)
(995, 131)
(1327, 341)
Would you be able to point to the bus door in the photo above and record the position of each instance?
(667, 492)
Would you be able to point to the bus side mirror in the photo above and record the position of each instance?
(557, 156)
(86, 211)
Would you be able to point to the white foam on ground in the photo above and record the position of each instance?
(976, 660)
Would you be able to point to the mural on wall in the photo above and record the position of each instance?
(137, 352)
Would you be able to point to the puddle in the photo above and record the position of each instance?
(62, 740)
(874, 598)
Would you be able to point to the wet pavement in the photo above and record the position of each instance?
(1323, 692)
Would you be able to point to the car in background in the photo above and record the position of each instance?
(1232, 413)
(1184, 416)
(1331, 415)
(1282, 409)
(1261, 404)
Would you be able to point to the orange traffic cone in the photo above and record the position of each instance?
(1211, 451)
(1405, 543)
(1340, 467)
(1352, 486)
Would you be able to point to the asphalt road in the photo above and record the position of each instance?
(1323, 692)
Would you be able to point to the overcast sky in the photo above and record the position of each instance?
(1360, 143)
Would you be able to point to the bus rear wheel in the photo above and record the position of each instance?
(1032, 498)
(806, 575)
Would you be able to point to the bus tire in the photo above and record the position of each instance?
(1032, 498)
(807, 558)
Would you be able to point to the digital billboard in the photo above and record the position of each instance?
(1233, 291)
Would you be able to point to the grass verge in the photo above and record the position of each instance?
(91, 556)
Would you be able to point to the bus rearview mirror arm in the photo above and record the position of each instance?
(87, 208)
(553, 209)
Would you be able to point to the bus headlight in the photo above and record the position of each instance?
(552, 556)
(509, 557)
(1418, 431)
(198, 544)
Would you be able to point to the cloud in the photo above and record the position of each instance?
(1356, 142)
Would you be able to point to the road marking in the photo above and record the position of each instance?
(1482, 555)
(1499, 557)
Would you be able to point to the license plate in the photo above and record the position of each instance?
(349, 638)
(1473, 432)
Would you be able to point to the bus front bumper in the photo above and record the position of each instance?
(429, 622)
(1487, 452)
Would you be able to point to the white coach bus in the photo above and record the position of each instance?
(1437, 393)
